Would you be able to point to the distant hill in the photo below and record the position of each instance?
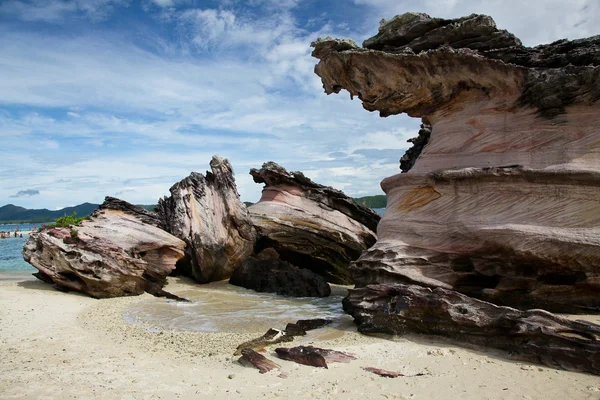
(15, 214)
(378, 201)
(19, 215)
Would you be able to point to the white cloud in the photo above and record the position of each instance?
(164, 3)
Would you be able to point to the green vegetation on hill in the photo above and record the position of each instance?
(378, 201)
(148, 207)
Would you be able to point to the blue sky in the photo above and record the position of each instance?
(125, 97)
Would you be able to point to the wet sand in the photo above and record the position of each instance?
(65, 345)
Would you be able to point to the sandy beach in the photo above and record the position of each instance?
(65, 345)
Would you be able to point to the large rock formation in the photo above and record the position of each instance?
(119, 251)
(206, 212)
(502, 198)
(310, 225)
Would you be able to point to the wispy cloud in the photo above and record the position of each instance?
(56, 11)
(28, 192)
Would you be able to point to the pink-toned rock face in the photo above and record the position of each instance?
(119, 251)
(310, 225)
(502, 200)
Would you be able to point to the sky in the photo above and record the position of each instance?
(126, 97)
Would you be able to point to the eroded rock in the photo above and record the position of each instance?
(206, 212)
(534, 335)
(310, 225)
(313, 356)
(502, 202)
(268, 273)
(119, 251)
(260, 362)
(274, 336)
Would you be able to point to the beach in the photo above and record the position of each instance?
(66, 345)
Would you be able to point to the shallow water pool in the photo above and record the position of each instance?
(221, 307)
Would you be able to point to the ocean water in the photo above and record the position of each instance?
(12, 265)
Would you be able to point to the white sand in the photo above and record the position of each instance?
(58, 345)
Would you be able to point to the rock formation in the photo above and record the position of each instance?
(533, 335)
(274, 336)
(119, 251)
(268, 273)
(310, 225)
(206, 212)
(501, 199)
(258, 361)
(313, 356)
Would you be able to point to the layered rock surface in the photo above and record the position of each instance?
(119, 251)
(206, 212)
(502, 200)
(310, 225)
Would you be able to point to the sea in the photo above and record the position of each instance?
(12, 265)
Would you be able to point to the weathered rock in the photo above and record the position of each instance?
(274, 336)
(206, 212)
(119, 251)
(274, 275)
(534, 335)
(310, 225)
(262, 363)
(502, 201)
(303, 325)
(313, 356)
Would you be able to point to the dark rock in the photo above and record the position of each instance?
(262, 363)
(534, 335)
(301, 355)
(274, 336)
(276, 276)
(302, 326)
(418, 143)
(313, 356)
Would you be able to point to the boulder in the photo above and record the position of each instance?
(268, 273)
(534, 335)
(206, 213)
(500, 195)
(119, 251)
(310, 225)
